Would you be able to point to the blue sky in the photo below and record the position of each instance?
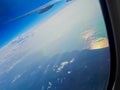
(12, 8)
(10, 30)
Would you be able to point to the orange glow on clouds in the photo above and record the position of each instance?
(99, 43)
(88, 34)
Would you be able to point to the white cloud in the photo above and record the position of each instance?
(65, 63)
(49, 85)
(69, 72)
(72, 60)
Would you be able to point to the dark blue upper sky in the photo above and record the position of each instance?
(12, 9)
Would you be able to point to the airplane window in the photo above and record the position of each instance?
(53, 45)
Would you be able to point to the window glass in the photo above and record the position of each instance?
(53, 45)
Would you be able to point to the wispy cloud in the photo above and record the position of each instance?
(65, 63)
(16, 78)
